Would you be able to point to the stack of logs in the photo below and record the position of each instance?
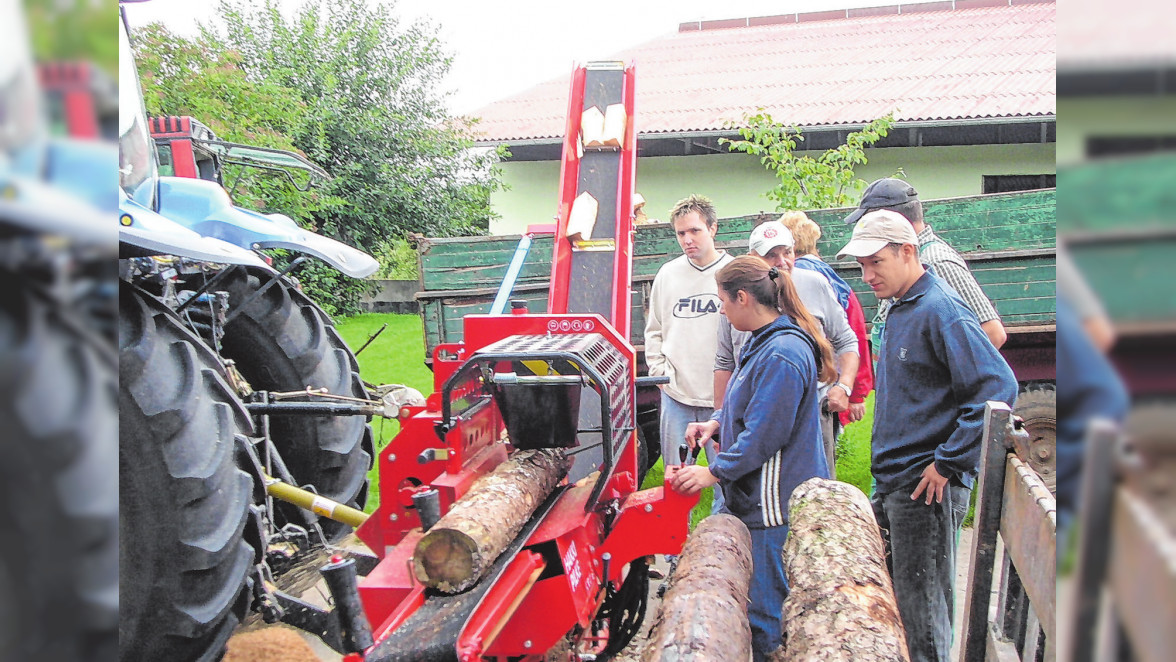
(841, 605)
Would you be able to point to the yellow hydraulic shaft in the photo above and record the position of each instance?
(315, 503)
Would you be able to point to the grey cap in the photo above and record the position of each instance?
(882, 193)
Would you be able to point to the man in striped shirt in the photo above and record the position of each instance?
(899, 196)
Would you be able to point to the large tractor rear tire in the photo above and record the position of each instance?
(183, 559)
(1037, 405)
(58, 562)
(283, 341)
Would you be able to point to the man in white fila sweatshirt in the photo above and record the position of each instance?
(682, 327)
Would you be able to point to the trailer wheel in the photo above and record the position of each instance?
(283, 341)
(184, 503)
(58, 480)
(1037, 405)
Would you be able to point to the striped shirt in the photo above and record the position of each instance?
(949, 266)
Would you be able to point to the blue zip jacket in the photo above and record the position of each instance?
(769, 425)
(1088, 388)
(936, 369)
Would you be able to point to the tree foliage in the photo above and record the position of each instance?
(202, 78)
(378, 124)
(823, 181)
(73, 31)
(354, 89)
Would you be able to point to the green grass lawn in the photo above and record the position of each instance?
(398, 357)
(853, 450)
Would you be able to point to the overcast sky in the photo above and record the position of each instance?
(500, 48)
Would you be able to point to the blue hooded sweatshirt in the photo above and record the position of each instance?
(769, 425)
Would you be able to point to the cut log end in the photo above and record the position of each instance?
(446, 561)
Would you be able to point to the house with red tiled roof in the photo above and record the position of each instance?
(1116, 79)
(970, 83)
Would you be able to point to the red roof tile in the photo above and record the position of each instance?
(982, 62)
(1096, 34)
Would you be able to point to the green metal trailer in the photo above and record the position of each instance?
(1008, 240)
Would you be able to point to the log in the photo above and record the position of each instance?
(703, 616)
(841, 603)
(465, 542)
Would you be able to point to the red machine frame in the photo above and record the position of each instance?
(556, 584)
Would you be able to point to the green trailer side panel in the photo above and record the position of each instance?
(1120, 219)
(1134, 193)
(1133, 279)
(459, 276)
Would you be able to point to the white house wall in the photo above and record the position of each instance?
(737, 182)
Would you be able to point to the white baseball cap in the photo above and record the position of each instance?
(767, 236)
(877, 229)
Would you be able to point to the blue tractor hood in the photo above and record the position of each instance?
(142, 232)
(34, 207)
(205, 208)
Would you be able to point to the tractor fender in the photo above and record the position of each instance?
(142, 232)
(34, 207)
(205, 208)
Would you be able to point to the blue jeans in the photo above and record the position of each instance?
(675, 416)
(769, 587)
(921, 542)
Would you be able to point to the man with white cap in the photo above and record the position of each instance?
(936, 369)
(774, 243)
(898, 196)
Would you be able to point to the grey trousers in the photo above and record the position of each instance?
(830, 423)
(921, 544)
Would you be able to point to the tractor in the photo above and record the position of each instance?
(58, 579)
(233, 387)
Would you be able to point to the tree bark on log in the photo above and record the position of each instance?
(465, 542)
(703, 616)
(841, 603)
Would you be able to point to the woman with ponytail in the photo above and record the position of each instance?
(769, 426)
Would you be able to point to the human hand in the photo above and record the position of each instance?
(697, 433)
(933, 483)
(691, 479)
(836, 400)
(857, 411)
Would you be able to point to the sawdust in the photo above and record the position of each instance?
(270, 644)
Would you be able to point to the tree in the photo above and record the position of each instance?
(201, 78)
(355, 90)
(806, 182)
(377, 121)
(73, 31)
